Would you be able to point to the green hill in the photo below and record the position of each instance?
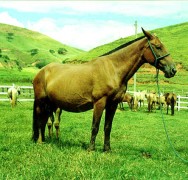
(22, 47)
(174, 37)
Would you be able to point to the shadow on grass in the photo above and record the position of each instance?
(67, 144)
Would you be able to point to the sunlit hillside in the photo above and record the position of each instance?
(22, 47)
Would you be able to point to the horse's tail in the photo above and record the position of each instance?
(172, 105)
(14, 98)
(35, 133)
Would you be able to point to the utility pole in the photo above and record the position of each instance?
(135, 73)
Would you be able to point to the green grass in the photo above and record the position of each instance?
(24, 77)
(138, 141)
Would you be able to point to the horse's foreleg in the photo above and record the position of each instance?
(110, 112)
(57, 121)
(97, 113)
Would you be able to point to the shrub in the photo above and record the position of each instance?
(51, 51)
(62, 51)
(42, 63)
(34, 52)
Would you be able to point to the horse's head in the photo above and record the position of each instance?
(156, 54)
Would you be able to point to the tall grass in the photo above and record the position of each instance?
(138, 141)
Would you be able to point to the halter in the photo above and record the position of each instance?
(156, 58)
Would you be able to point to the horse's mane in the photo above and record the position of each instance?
(122, 46)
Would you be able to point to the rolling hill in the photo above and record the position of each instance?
(22, 47)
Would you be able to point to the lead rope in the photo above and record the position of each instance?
(164, 124)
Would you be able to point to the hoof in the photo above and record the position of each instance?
(107, 149)
(91, 148)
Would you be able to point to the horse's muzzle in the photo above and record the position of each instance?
(171, 73)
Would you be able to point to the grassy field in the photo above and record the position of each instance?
(140, 149)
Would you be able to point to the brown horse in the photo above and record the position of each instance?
(170, 99)
(99, 84)
(126, 98)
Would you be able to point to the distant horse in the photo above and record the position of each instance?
(161, 101)
(140, 97)
(135, 103)
(127, 98)
(151, 99)
(13, 93)
(170, 99)
(99, 84)
(54, 121)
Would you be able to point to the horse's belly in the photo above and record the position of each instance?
(73, 102)
(75, 107)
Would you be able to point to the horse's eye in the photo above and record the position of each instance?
(158, 46)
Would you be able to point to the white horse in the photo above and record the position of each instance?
(151, 99)
(140, 97)
(13, 93)
(161, 101)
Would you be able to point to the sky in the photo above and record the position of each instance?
(88, 24)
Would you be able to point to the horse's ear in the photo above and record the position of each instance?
(147, 34)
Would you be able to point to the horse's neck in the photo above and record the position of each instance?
(128, 60)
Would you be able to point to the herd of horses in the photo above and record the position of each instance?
(99, 84)
(167, 100)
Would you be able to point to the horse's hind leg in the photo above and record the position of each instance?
(57, 121)
(40, 118)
